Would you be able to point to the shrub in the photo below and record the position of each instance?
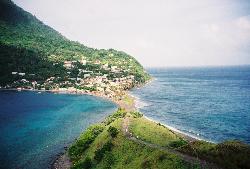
(99, 154)
(86, 164)
(178, 143)
(146, 164)
(162, 157)
(232, 154)
(120, 113)
(136, 114)
(84, 141)
(229, 154)
(109, 160)
(113, 131)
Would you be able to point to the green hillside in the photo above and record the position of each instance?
(31, 47)
(145, 144)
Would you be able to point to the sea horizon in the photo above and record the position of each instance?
(196, 66)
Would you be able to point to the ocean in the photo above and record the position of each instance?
(209, 103)
(35, 127)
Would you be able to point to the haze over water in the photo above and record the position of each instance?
(35, 127)
(212, 103)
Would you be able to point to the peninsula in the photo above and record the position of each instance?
(36, 57)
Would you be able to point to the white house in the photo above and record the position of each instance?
(68, 64)
(83, 61)
(86, 75)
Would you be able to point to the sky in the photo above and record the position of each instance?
(158, 33)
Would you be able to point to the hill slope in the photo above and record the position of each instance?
(128, 140)
(33, 52)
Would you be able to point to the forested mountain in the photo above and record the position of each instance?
(33, 51)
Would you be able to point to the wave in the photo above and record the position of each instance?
(188, 133)
(139, 104)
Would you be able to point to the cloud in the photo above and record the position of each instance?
(232, 33)
(157, 33)
(243, 22)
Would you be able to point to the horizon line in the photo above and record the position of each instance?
(197, 66)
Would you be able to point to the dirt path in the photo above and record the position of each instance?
(193, 160)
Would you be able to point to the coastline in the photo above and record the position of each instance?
(180, 133)
(96, 94)
(62, 161)
(184, 135)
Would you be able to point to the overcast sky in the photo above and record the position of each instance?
(156, 32)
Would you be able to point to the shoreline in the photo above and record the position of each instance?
(96, 94)
(61, 160)
(187, 136)
(176, 131)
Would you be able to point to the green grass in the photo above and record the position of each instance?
(104, 146)
(120, 113)
(228, 155)
(128, 154)
(84, 141)
(152, 132)
(124, 153)
(128, 100)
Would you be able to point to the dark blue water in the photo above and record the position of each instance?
(35, 127)
(210, 103)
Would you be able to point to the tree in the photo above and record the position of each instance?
(113, 131)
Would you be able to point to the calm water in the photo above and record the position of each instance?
(35, 127)
(209, 103)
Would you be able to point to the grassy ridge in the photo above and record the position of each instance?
(117, 151)
(228, 155)
(152, 132)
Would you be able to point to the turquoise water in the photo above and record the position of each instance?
(211, 103)
(35, 127)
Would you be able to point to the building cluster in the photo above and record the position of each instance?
(85, 81)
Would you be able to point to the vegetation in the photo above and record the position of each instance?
(120, 113)
(99, 154)
(136, 114)
(113, 131)
(31, 47)
(152, 132)
(128, 100)
(38, 53)
(110, 148)
(119, 152)
(178, 143)
(84, 141)
(229, 154)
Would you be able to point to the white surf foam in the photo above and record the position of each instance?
(138, 102)
(178, 131)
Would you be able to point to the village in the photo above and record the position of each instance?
(82, 76)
